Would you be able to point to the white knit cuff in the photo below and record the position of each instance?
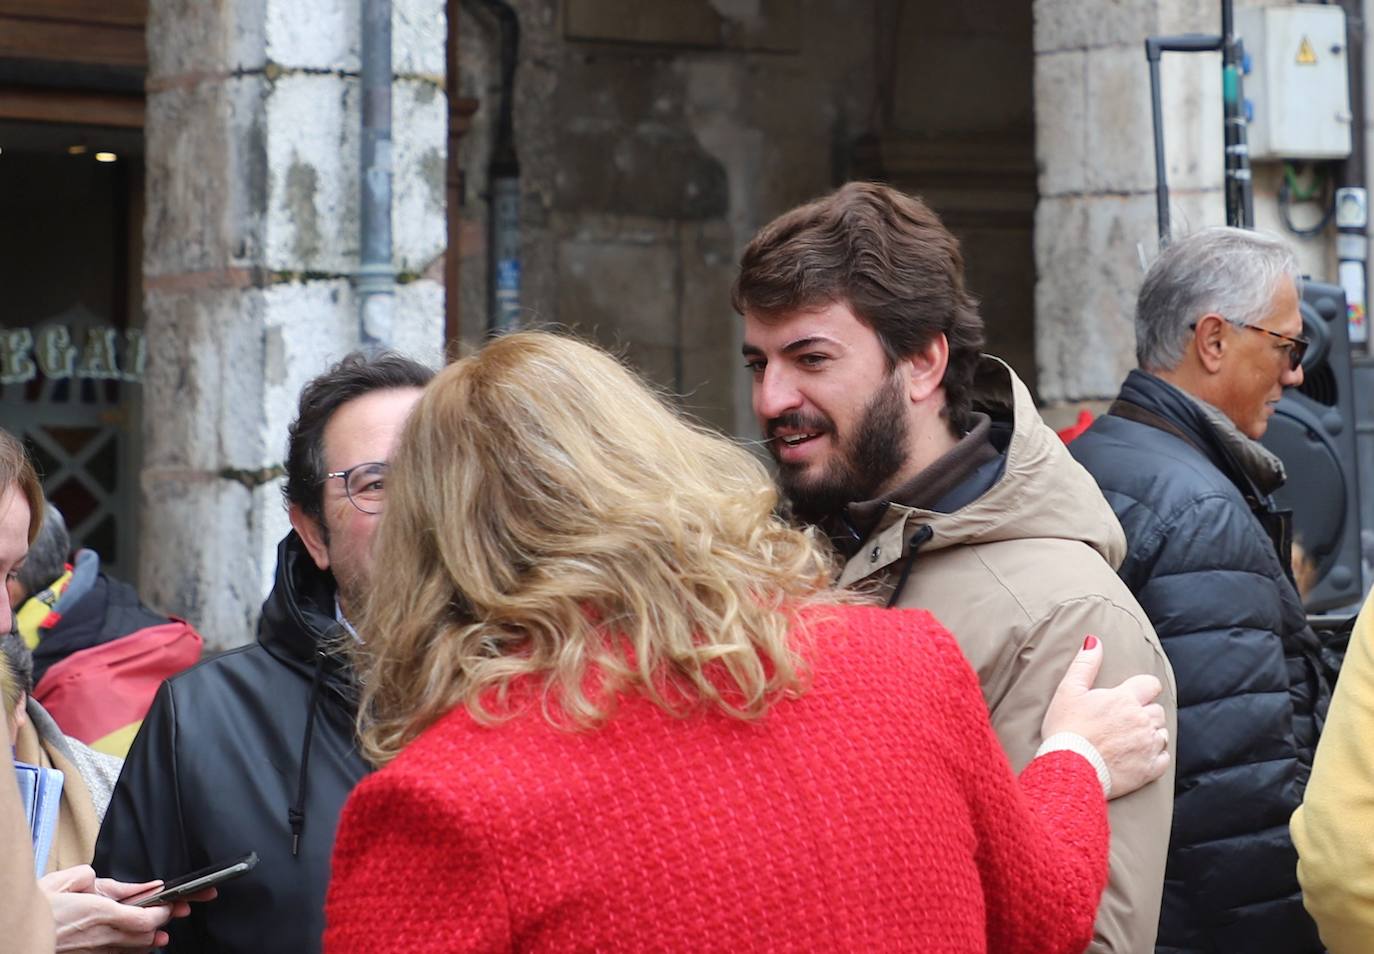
(1073, 742)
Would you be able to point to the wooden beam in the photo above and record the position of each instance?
(124, 111)
(63, 42)
(132, 13)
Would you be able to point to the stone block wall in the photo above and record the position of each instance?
(654, 140)
(1095, 225)
(251, 238)
(960, 134)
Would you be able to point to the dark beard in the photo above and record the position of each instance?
(862, 465)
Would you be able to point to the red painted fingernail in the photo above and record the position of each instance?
(1090, 642)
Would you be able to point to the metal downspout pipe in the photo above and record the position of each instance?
(1352, 253)
(1352, 196)
(503, 184)
(375, 282)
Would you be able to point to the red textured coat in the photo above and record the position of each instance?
(875, 813)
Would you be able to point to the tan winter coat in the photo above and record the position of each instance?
(1020, 576)
(25, 919)
(87, 778)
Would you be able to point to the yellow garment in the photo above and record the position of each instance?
(37, 608)
(117, 743)
(1331, 828)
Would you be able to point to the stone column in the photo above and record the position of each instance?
(652, 147)
(1095, 226)
(251, 237)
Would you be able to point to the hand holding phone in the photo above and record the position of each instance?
(195, 882)
(88, 914)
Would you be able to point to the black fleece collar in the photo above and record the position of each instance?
(958, 478)
(297, 622)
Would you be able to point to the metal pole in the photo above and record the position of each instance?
(1161, 170)
(1352, 198)
(375, 282)
(1155, 47)
(1352, 253)
(503, 185)
(1240, 201)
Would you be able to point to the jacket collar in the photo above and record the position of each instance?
(297, 621)
(1245, 462)
(1039, 492)
(957, 478)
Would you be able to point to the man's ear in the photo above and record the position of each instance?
(1209, 341)
(925, 369)
(312, 534)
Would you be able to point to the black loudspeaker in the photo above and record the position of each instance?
(1313, 433)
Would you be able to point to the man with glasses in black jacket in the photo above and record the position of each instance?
(1218, 338)
(254, 750)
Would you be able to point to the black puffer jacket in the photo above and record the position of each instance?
(242, 753)
(1208, 560)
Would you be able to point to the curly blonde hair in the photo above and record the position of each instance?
(552, 522)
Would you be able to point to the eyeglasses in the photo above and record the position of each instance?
(364, 484)
(1297, 346)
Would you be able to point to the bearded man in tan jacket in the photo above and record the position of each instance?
(929, 466)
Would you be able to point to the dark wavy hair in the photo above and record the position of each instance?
(356, 374)
(888, 257)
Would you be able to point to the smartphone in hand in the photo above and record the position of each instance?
(196, 881)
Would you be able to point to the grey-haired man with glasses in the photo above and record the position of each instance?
(253, 750)
(1218, 338)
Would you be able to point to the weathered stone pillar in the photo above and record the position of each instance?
(1095, 225)
(652, 147)
(251, 238)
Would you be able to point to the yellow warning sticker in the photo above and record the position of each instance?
(1306, 55)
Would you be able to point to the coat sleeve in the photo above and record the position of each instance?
(410, 874)
(1042, 838)
(1331, 827)
(1128, 917)
(25, 920)
(143, 834)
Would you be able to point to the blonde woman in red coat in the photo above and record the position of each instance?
(618, 707)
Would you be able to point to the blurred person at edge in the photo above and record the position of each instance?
(254, 750)
(71, 907)
(927, 464)
(1331, 828)
(620, 708)
(106, 651)
(1218, 338)
(88, 776)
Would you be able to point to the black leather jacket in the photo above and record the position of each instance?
(1208, 560)
(250, 751)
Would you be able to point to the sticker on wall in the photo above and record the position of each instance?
(1307, 55)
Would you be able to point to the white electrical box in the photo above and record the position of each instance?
(1298, 86)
